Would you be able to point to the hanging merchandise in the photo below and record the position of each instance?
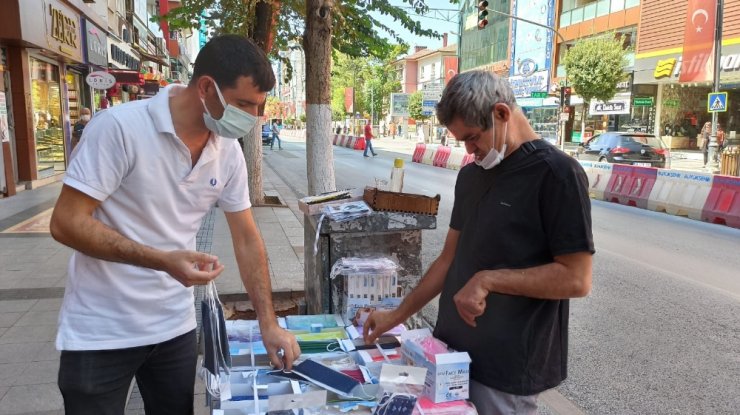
(216, 356)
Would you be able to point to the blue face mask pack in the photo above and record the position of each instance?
(233, 124)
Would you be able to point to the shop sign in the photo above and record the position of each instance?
(97, 45)
(400, 105)
(673, 103)
(643, 102)
(616, 106)
(100, 80)
(523, 86)
(671, 67)
(63, 30)
(127, 60)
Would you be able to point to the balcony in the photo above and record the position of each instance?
(594, 10)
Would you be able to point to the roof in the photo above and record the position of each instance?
(427, 52)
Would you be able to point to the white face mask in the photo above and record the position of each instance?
(234, 123)
(84, 118)
(494, 157)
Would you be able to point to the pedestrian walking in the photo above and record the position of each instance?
(79, 126)
(393, 129)
(517, 249)
(275, 136)
(131, 205)
(369, 139)
(706, 131)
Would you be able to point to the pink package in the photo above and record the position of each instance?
(445, 408)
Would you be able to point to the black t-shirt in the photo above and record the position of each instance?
(522, 213)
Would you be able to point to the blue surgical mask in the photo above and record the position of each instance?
(234, 123)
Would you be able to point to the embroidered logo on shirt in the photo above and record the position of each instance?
(213, 182)
(505, 204)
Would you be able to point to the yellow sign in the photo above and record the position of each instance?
(664, 68)
(63, 28)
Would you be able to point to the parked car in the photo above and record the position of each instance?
(266, 133)
(637, 149)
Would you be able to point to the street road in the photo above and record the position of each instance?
(660, 331)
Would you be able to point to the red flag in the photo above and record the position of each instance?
(349, 100)
(450, 68)
(698, 41)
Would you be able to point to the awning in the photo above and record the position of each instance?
(127, 77)
(145, 56)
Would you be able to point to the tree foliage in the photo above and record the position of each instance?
(273, 108)
(595, 66)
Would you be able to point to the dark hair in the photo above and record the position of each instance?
(225, 58)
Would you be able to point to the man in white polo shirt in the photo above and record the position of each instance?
(135, 193)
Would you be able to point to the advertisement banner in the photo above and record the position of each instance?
(400, 105)
(523, 86)
(698, 42)
(531, 45)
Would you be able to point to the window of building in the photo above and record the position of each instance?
(433, 72)
(486, 46)
(422, 75)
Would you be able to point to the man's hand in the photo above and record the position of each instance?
(471, 299)
(191, 268)
(277, 339)
(378, 323)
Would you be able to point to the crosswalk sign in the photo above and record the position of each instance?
(717, 102)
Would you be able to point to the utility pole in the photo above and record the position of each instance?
(713, 164)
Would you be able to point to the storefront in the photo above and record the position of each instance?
(126, 66)
(682, 108)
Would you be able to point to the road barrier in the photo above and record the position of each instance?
(681, 193)
(359, 143)
(418, 152)
(469, 158)
(455, 160)
(441, 156)
(723, 203)
(428, 156)
(598, 178)
(630, 185)
(334, 140)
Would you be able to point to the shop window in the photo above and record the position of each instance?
(47, 117)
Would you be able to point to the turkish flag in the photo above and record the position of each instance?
(450, 68)
(698, 42)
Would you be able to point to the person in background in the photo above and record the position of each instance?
(369, 139)
(276, 136)
(79, 126)
(518, 248)
(393, 130)
(134, 196)
(706, 131)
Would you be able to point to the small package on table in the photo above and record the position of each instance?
(361, 285)
(448, 372)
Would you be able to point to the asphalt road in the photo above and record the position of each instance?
(660, 331)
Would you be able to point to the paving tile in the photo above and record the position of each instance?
(48, 351)
(34, 318)
(8, 319)
(29, 334)
(3, 391)
(48, 304)
(26, 399)
(296, 241)
(10, 372)
(19, 352)
(37, 373)
(293, 232)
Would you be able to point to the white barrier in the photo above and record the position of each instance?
(681, 193)
(428, 157)
(455, 160)
(598, 178)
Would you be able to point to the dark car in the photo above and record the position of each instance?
(266, 133)
(637, 149)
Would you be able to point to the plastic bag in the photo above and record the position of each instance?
(216, 357)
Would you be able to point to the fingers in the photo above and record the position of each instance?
(291, 353)
(275, 359)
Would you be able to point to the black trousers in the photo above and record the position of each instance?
(96, 382)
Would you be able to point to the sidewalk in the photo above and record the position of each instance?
(33, 275)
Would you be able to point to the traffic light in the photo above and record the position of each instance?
(565, 96)
(482, 14)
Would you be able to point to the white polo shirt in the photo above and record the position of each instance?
(131, 160)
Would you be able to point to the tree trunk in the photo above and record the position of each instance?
(253, 156)
(317, 47)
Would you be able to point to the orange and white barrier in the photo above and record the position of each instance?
(418, 152)
(598, 178)
(681, 193)
(428, 156)
(441, 156)
(454, 162)
(723, 202)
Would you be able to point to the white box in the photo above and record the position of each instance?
(448, 376)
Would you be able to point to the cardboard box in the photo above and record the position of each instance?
(448, 374)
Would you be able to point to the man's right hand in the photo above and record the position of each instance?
(378, 323)
(191, 268)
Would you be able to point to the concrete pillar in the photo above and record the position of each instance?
(20, 84)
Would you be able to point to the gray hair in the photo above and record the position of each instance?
(471, 96)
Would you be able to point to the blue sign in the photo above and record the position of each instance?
(717, 102)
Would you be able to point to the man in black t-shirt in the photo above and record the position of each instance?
(519, 246)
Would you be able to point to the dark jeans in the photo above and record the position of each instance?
(369, 146)
(96, 382)
(272, 142)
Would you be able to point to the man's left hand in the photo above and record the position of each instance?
(471, 299)
(275, 339)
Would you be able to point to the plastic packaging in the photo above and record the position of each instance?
(397, 176)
